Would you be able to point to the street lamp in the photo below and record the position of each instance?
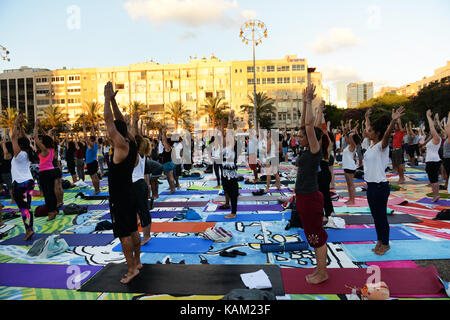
(4, 53)
(253, 30)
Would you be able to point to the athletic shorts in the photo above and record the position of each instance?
(123, 216)
(397, 157)
(432, 169)
(71, 167)
(92, 168)
(447, 165)
(331, 161)
(230, 186)
(58, 173)
(349, 171)
(285, 150)
(252, 166)
(140, 189)
(413, 149)
(310, 210)
(177, 170)
(168, 166)
(6, 179)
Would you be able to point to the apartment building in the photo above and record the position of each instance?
(156, 86)
(358, 92)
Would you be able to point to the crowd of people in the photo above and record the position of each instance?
(133, 160)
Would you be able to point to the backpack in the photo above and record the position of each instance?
(48, 247)
(295, 221)
(217, 234)
(73, 208)
(41, 211)
(443, 215)
(104, 225)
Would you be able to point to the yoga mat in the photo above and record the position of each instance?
(153, 214)
(400, 250)
(33, 203)
(174, 245)
(362, 210)
(247, 217)
(368, 219)
(92, 206)
(362, 234)
(194, 227)
(73, 240)
(181, 279)
(201, 188)
(252, 198)
(401, 281)
(254, 207)
(190, 178)
(285, 190)
(50, 276)
(442, 195)
(284, 247)
(437, 203)
(173, 204)
(189, 192)
(6, 227)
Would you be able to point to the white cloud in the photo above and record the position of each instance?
(189, 13)
(335, 39)
(188, 35)
(339, 73)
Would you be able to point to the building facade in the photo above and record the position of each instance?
(156, 86)
(358, 92)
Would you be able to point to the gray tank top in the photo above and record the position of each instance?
(446, 149)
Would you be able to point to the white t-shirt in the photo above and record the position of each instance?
(20, 168)
(433, 151)
(375, 162)
(160, 147)
(348, 159)
(138, 171)
(252, 146)
(365, 144)
(178, 146)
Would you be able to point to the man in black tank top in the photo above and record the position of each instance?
(121, 198)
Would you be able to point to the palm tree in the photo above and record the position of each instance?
(265, 109)
(214, 108)
(136, 106)
(54, 117)
(7, 118)
(177, 111)
(91, 114)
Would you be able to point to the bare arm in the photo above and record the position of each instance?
(395, 116)
(15, 134)
(44, 150)
(433, 132)
(314, 146)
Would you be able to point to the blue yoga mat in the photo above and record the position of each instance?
(174, 245)
(400, 250)
(73, 240)
(191, 178)
(284, 247)
(363, 234)
(440, 202)
(104, 194)
(246, 217)
(154, 214)
(33, 203)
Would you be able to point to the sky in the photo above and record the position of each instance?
(390, 43)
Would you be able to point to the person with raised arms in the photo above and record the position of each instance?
(433, 160)
(122, 201)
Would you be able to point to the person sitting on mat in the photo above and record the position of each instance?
(376, 159)
(229, 173)
(309, 200)
(122, 201)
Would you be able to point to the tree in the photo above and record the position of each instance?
(177, 111)
(435, 96)
(214, 108)
(136, 106)
(333, 114)
(91, 113)
(264, 111)
(7, 118)
(54, 117)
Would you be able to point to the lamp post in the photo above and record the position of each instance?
(253, 30)
(4, 53)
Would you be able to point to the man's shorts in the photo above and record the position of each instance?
(397, 157)
(92, 168)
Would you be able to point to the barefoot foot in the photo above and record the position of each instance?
(318, 278)
(382, 250)
(145, 241)
(129, 276)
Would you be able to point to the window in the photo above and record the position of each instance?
(298, 67)
(264, 80)
(282, 68)
(270, 80)
(58, 101)
(270, 68)
(279, 80)
(58, 79)
(41, 80)
(42, 102)
(42, 92)
(120, 86)
(250, 69)
(208, 94)
(73, 78)
(250, 81)
(286, 80)
(298, 79)
(73, 89)
(235, 70)
(74, 100)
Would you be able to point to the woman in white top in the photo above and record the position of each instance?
(376, 159)
(348, 163)
(140, 186)
(23, 183)
(433, 160)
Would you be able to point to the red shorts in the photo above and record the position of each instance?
(310, 209)
(252, 166)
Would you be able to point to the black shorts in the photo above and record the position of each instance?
(92, 168)
(177, 170)
(58, 173)
(123, 216)
(331, 161)
(140, 189)
(71, 167)
(432, 168)
(397, 157)
(230, 186)
(413, 149)
(349, 171)
(447, 165)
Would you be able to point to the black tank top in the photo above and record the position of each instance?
(166, 156)
(120, 175)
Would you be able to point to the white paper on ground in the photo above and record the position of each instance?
(256, 280)
(212, 207)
